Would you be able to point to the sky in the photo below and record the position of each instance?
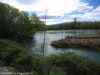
(59, 11)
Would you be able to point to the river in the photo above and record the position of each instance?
(36, 45)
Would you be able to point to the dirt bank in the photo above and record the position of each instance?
(85, 41)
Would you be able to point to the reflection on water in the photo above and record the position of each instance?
(36, 45)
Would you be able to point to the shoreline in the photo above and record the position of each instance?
(71, 29)
(90, 41)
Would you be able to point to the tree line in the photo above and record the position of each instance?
(78, 25)
(18, 24)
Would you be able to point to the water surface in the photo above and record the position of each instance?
(36, 45)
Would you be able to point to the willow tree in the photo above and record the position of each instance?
(36, 22)
(18, 24)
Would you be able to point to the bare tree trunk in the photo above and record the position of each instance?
(44, 33)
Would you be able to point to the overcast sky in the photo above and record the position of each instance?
(60, 11)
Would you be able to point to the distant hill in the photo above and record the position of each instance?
(72, 25)
(71, 22)
(62, 23)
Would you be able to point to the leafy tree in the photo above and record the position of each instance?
(18, 24)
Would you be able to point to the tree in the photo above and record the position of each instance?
(18, 24)
(38, 25)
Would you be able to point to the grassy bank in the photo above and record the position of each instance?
(12, 54)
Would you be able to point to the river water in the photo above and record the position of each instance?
(36, 45)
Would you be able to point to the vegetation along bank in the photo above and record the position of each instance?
(13, 55)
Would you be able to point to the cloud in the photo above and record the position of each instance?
(54, 7)
(58, 10)
(26, 2)
(49, 17)
(93, 15)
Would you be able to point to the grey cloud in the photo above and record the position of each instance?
(83, 9)
(49, 17)
(26, 2)
(64, 17)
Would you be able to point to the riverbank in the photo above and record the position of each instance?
(13, 55)
(91, 41)
(21, 61)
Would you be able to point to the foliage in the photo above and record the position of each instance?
(12, 54)
(72, 64)
(56, 71)
(18, 24)
(34, 73)
(72, 25)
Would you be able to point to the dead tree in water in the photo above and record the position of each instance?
(44, 32)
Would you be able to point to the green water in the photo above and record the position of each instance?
(36, 45)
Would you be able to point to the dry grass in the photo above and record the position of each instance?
(87, 41)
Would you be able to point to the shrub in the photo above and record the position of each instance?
(75, 65)
(65, 63)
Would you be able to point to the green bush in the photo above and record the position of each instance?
(75, 65)
(10, 53)
(56, 71)
(60, 64)
(34, 73)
